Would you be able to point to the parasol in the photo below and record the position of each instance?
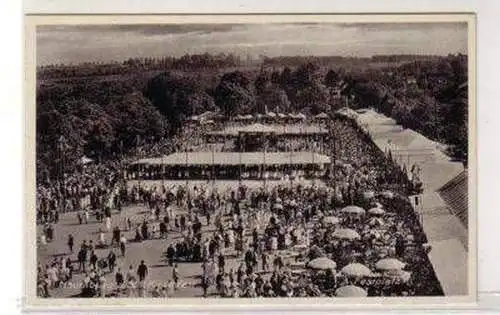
(331, 220)
(376, 211)
(321, 263)
(322, 115)
(389, 264)
(350, 291)
(368, 194)
(388, 194)
(353, 210)
(85, 160)
(356, 270)
(398, 274)
(348, 234)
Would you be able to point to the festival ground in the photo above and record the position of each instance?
(152, 251)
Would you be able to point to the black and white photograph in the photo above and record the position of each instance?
(269, 160)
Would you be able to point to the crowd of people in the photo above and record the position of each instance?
(277, 231)
(89, 186)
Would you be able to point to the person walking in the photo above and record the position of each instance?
(111, 260)
(82, 258)
(119, 280)
(142, 271)
(221, 262)
(264, 262)
(175, 276)
(93, 260)
(71, 242)
(170, 254)
(123, 241)
(108, 224)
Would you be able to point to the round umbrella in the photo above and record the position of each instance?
(348, 234)
(350, 291)
(278, 206)
(368, 194)
(353, 210)
(321, 263)
(389, 264)
(398, 274)
(376, 211)
(331, 220)
(356, 270)
(388, 194)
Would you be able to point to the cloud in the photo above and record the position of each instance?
(73, 44)
(145, 29)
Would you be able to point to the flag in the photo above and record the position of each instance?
(405, 172)
(416, 202)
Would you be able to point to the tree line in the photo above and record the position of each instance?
(102, 118)
(133, 65)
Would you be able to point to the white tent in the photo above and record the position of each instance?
(85, 160)
(322, 115)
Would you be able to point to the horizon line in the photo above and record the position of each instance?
(258, 59)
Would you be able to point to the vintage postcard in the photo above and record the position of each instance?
(250, 161)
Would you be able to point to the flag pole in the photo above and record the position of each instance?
(265, 148)
(291, 166)
(186, 171)
(213, 167)
(141, 166)
(334, 163)
(162, 155)
(313, 165)
(242, 147)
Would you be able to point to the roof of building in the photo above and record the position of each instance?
(236, 158)
(295, 129)
(455, 194)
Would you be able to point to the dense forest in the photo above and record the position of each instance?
(101, 110)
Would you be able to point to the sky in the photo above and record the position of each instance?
(75, 44)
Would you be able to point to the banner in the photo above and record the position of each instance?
(417, 204)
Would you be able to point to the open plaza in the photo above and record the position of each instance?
(315, 206)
